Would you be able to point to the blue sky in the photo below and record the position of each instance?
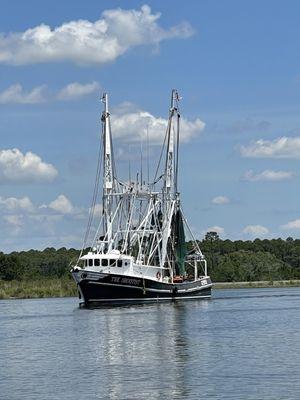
(236, 65)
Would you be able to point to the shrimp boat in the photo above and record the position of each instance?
(139, 252)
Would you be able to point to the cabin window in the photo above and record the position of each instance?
(90, 262)
(97, 262)
(112, 263)
(125, 263)
(85, 263)
(104, 262)
(119, 263)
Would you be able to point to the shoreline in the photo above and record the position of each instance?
(50, 288)
(257, 284)
(36, 289)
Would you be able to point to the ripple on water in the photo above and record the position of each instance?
(242, 344)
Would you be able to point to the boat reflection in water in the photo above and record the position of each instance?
(146, 351)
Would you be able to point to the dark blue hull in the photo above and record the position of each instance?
(100, 288)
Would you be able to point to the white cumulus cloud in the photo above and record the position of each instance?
(15, 94)
(255, 230)
(292, 225)
(131, 125)
(215, 228)
(283, 147)
(62, 205)
(98, 210)
(84, 42)
(14, 219)
(267, 175)
(14, 204)
(39, 225)
(76, 90)
(16, 222)
(220, 200)
(28, 168)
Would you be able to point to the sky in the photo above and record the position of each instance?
(236, 66)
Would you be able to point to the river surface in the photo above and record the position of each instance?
(242, 344)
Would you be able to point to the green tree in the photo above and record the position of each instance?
(10, 267)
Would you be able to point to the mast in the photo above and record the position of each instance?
(107, 171)
(170, 195)
(170, 183)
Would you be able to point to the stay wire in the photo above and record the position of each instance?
(95, 195)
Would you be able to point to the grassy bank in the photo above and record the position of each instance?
(37, 288)
(256, 284)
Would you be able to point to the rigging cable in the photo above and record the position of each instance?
(94, 198)
(160, 157)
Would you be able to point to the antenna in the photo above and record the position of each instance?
(129, 165)
(177, 143)
(148, 168)
(141, 152)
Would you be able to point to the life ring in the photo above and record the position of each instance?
(158, 275)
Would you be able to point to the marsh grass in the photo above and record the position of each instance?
(37, 288)
(256, 284)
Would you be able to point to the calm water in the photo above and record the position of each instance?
(243, 344)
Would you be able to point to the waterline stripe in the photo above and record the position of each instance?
(152, 299)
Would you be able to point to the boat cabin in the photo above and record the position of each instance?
(96, 261)
(115, 263)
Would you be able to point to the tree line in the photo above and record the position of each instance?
(241, 261)
(228, 261)
(35, 264)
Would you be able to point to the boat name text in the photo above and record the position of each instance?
(130, 281)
